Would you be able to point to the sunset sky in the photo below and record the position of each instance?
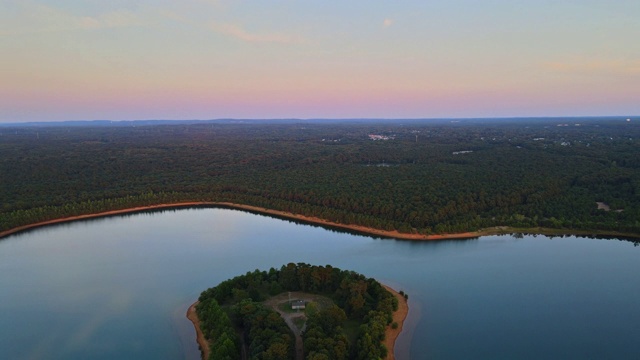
(208, 59)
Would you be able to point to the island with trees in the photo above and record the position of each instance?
(299, 311)
(416, 179)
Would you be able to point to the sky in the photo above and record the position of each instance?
(209, 59)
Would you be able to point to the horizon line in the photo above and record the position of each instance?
(318, 119)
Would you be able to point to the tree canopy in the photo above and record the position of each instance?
(414, 177)
(358, 300)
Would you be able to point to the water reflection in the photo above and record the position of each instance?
(119, 287)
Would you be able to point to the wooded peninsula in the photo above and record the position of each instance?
(333, 314)
(413, 177)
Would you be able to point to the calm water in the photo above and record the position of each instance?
(118, 288)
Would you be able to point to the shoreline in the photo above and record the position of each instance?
(391, 335)
(202, 342)
(399, 316)
(498, 230)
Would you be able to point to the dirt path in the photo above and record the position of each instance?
(273, 303)
(296, 332)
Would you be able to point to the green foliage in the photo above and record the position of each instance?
(521, 174)
(267, 335)
(216, 326)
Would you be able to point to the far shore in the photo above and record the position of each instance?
(391, 335)
(498, 230)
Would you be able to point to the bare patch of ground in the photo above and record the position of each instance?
(606, 207)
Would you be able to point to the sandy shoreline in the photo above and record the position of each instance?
(318, 221)
(391, 335)
(193, 317)
(314, 220)
(98, 215)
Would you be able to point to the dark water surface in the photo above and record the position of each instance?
(118, 288)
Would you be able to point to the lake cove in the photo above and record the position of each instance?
(119, 287)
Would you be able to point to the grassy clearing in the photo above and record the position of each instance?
(299, 322)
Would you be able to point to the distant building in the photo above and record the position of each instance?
(375, 137)
(297, 304)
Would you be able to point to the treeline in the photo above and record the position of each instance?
(217, 328)
(265, 332)
(357, 299)
(425, 178)
(39, 214)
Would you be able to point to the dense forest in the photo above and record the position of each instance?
(233, 313)
(422, 177)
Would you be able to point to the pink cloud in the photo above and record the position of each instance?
(244, 35)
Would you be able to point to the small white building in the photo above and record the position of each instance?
(297, 304)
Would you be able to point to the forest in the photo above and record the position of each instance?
(232, 314)
(425, 177)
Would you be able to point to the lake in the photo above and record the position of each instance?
(119, 287)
